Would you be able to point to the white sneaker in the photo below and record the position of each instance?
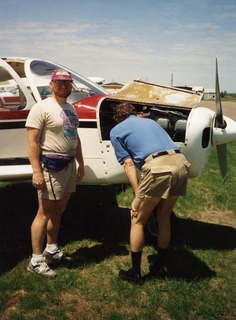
(57, 256)
(41, 268)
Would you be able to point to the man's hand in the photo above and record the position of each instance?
(80, 173)
(33, 145)
(131, 173)
(38, 180)
(135, 207)
(133, 213)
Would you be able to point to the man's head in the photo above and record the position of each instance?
(122, 111)
(61, 83)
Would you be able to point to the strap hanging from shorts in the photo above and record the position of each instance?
(51, 185)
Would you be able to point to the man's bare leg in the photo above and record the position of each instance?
(45, 211)
(164, 211)
(143, 209)
(53, 224)
(38, 232)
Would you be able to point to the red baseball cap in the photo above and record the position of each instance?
(61, 74)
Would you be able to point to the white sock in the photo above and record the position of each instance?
(36, 258)
(52, 248)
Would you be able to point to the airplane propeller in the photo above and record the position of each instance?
(222, 158)
(220, 123)
(219, 120)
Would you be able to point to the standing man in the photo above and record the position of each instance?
(53, 148)
(142, 143)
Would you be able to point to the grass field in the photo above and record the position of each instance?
(229, 98)
(200, 283)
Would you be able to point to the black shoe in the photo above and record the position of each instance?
(157, 266)
(152, 259)
(157, 270)
(130, 275)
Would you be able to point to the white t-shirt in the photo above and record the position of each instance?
(58, 125)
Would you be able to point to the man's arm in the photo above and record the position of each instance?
(80, 160)
(33, 136)
(131, 173)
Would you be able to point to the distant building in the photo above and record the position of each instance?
(195, 89)
(97, 80)
(113, 87)
(184, 87)
(209, 94)
(198, 89)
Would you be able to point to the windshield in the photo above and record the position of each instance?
(82, 87)
(76, 95)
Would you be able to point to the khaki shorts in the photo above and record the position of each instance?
(59, 182)
(163, 176)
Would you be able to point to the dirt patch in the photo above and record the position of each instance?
(12, 304)
(86, 309)
(80, 305)
(228, 107)
(226, 218)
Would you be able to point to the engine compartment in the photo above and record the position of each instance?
(171, 118)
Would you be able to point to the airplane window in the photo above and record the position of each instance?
(77, 95)
(11, 97)
(14, 91)
(44, 91)
(12, 101)
(44, 69)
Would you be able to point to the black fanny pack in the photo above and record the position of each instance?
(55, 162)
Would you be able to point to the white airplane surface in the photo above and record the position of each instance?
(195, 129)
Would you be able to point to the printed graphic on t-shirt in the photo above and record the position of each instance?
(70, 123)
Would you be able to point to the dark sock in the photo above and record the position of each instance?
(162, 254)
(136, 261)
(162, 251)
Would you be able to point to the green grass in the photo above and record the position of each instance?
(207, 192)
(201, 276)
(229, 98)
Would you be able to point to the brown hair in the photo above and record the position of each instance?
(122, 111)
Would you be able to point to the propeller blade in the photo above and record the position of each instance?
(219, 122)
(222, 158)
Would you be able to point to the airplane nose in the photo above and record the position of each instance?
(224, 135)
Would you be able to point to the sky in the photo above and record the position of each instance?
(127, 39)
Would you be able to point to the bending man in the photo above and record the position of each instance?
(142, 143)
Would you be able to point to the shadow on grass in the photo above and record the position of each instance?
(196, 234)
(183, 264)
(18, 205)
(86, 256)
(202, 235)
(93, 213)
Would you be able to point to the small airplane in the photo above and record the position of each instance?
(195, 129)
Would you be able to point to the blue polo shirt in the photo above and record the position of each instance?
(137, 138)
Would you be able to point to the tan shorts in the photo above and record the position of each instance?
(163, 176)
(59, 182)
